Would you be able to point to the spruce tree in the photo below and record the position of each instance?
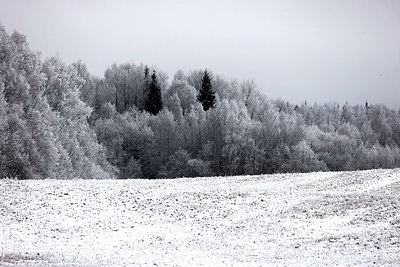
(154, 102)
(146, 72)
(206, 95)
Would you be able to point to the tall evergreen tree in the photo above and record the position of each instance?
(206, 95)
(146, 72)
(154, 102)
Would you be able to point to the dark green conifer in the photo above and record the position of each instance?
(206, 95)
(154, 102)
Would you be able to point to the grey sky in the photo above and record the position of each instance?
(321, 50)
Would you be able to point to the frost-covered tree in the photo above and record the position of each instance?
(88, 93)
(3, 130)
(125, 86)
(180, 164)
(129, 142)
(30, 149)
(183, 91)
(46, 134)
(62, 88)
(302, 158)
(251, 96)
(378, 117)
(167, 139)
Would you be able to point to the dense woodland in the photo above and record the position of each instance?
(59, 121)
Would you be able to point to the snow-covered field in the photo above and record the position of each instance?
(345, 218)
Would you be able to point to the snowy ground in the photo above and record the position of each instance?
(316, 219)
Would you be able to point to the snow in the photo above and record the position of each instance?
(343, 218)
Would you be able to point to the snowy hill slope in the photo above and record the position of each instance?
(294, 219)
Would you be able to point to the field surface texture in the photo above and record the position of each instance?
(344, 218)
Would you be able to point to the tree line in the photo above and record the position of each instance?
(59, 121)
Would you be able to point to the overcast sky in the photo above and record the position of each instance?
(297, 50)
